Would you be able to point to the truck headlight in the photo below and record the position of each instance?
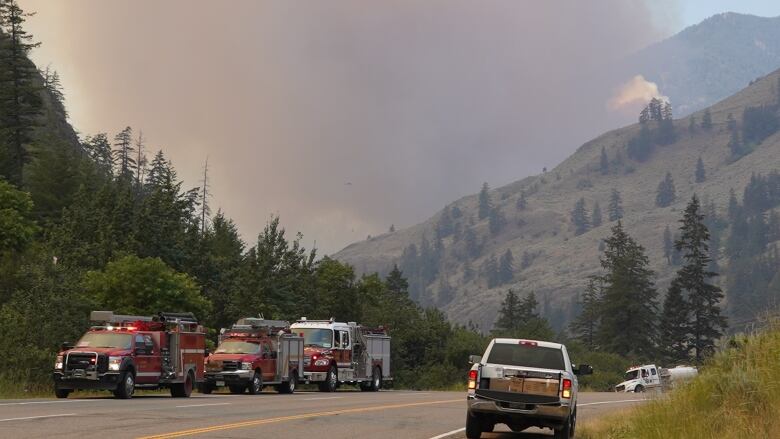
(246, 366)
(322, 362)
(58, 362)
(114, 363)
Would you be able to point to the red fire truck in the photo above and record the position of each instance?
(253, 353)
(121, 353)
(344, 353)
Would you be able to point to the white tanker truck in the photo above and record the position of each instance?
(658, 379)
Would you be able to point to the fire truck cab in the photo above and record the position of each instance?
(122, 353)
(338, 353)
(253, 353)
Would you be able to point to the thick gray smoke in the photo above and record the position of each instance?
(345, 116)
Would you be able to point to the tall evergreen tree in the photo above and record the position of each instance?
(707, 323)
(20, 100)
(674, 326)
(701, 174)
(496, 220)
(506, 267)
(123, 153)
(585, 326)
(485, 204)
(615, 206)
(490, 270)
(595, 218)
(668, 245)
(666, 194)
(579, 217)
(629, 309)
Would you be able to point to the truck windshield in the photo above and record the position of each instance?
(237, 347)
(317, 337)
(526, 356)
(106, 340)
(632, 375)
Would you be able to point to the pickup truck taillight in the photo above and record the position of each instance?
(566, 390)
(472, 379)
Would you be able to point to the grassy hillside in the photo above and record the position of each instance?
(549, 258)
(735, 396)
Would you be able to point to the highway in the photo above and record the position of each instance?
(344, 414)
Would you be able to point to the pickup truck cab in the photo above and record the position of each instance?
(523, 383)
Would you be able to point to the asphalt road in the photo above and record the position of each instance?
(344, 414)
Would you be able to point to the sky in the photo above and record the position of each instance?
(344, 117)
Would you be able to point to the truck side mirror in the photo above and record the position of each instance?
(583, 369)
(206, 352)
(66, 345)
(475, 359)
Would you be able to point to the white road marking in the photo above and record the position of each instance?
(612, 402)
(443, 435)
(322, 398)
(412, 393)
(201, 405)
(52, 402)
(37, 417)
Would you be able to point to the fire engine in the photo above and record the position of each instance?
(338, 353)
(122, 353)
(255, 352)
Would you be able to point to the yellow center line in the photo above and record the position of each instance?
(255, 422)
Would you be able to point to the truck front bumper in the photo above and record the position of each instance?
(77, 380)
(315, 377)
(226, 378)
(543, 415)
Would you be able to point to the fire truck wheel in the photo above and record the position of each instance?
(183, 390)
(256, 385)
(330, 384)
(126, 386)
(205, 388)
(288, 387)
(61, 393)
(376, 380)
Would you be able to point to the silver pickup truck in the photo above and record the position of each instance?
(523, 383)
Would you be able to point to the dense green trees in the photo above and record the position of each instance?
(519, 318)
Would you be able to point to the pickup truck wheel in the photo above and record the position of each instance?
(567, 431)
(473, 426)
(183, 390)
(61, 393)
(639, 389)
(289, 386)
(126, 386)
(206, 388)
(256, 385)
(331, 382)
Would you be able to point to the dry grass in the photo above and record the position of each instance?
(736, 396)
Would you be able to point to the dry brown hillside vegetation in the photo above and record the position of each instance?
(454, 260)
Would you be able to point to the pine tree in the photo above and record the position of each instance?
(509, 313)
(665, 195)
(123, 153)
(615, 206)
(203, 198)
(628, 311)
(736, 148)
(506, 267)
(707, 323)
(604, 162)
(397, 283)
(497, 221)
(445, 226)
(98, 149)
(674, 326)
(579, 217)
(20, 100)
(585, 326)
(701, 174)
(706, 120)
(491, 273)
(140, 160)
(668, 245)
(485, 204)
(595, 218)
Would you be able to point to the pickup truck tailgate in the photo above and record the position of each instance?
(527, 382)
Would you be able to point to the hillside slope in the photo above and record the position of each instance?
(709, 61)
(550, 259)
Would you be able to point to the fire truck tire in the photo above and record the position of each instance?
(331, 382)
(376, 380)
(237, 389)
(205, 388)
(183, 390)
(61, 393)
(288, 387)
(255, 386)
(126, 386)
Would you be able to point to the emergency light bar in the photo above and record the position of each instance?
(110, 317)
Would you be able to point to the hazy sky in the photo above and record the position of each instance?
(346, 116)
